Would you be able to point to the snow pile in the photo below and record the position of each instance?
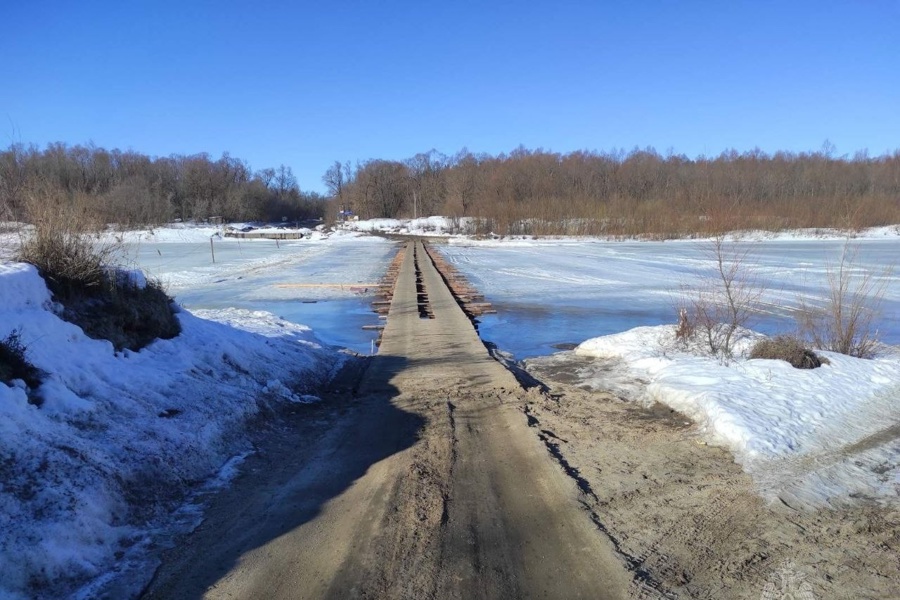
(110, 440)
(820, 234)
(195, 233)
(808, 437)
(169, 234)
(423, 226)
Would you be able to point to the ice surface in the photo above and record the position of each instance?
(549, 292)
(323, 281)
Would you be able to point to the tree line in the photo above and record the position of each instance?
(638, 192)
(131, 188)
(627, 193)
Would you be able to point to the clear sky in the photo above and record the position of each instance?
(307, 83)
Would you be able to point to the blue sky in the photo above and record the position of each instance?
(307, 83)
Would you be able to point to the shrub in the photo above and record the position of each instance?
(846, 323)
(686, 328)
(790, 349)
(720, 304)
(60, 244)
(128, 315)
(14, 364)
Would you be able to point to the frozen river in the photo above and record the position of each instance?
(548, 293)
(320, 283)
(552, 293)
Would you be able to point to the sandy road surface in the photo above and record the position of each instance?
(425, 483)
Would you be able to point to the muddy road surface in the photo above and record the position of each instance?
(418, 478)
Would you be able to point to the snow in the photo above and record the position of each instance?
(456, 228)
(423, 226)
(776, 418)
(114, 428)
(22, 288)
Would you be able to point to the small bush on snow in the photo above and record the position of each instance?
(128, 315)
(721, 303)
(787, 348)
(847, 321)
(106, 302)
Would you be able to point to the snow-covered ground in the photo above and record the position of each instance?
(813, 437)
(114, 428)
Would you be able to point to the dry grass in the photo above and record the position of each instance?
(787, 348)
(60, 243)
(81, 274)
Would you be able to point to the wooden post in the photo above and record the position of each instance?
(212, 250)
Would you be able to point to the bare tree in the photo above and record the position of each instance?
(723, 302)
(334, 181)
(284, 182)
(266, 176)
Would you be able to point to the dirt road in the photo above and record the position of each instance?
(425, 483)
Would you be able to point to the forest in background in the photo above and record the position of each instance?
(628, 193)
(130, 189)
(529, 192)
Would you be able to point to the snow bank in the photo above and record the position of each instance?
(195, 233)
(820, 234)
(809, 437)
(22, 288)
(117, 436)
(170, 234)
(456, 229)
(424, 226)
